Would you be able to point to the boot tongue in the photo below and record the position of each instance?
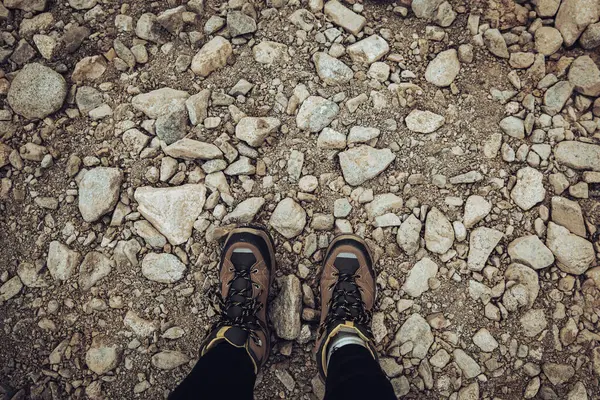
(236, 336)
(242, 260)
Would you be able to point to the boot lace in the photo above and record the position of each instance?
(239, 309)
(346, 304)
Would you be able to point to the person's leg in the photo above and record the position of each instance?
(238, 344)
(353, 373)
(345, 351)
(213, 374)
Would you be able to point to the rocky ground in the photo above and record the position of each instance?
(460, 138)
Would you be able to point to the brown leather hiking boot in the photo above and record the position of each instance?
(245, 273)
(348, 293)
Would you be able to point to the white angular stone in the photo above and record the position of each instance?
(61, 261)
(344, 17)
(331, 70)
(254, 130)
(270, 53)
(417, 331)
(531, 251)
(360, 164)
(190, 149)
(212, 56)
(476, 209)
(368, 50)
(439, 233)
(141, 327)
(159, 102)
(245, 211)
(169, 359)
(316, 113)
(574, 254)
(529, 189)
(409, 235)
(172, 211)
(424, 121)
(578, 155)
(485, 341)
(99, 192)
(163, 268)
(443, 69)
(481, 244)
(417, 281)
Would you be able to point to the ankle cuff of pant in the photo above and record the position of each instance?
(341, 340)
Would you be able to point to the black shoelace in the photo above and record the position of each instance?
(346, 304)
(239, 309)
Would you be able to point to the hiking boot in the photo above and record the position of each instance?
(245, 274)
(348, 293)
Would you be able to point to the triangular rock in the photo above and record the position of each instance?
(172, 210)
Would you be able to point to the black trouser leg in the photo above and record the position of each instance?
(225, 372)
(353, 374)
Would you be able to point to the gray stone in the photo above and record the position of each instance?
(360, 164)
(574, 254)
(163, 268)
(245, 211)
(189, 149)
(169, 359)
(37, 91)
(409, 235)
(574, 16)
(578, 391)
(141, 327)
(172, 20)
(87, 98)
(148, 28)
(172, 125)
(524, 287)
(424, 121)
(316, 113)
(26, 5)
(495, 43)
(467, 365)
(557, 96)
(439, 234)
(362, 134)
(159, 102)
(61, 261)
(151, 236)
(485, 341)
(578, 155)
(94, 267)
(591, 37)
(558, 374)
(344, 17)
(513, 127)
(417, 280)
(331, 70)
(417, 331)
(103, 356)
(197, 106)
(212, 56)
(548, 40)
(254, 130)
(331, 139)
(270, 53)
(425, 9)
(384, 203)
(172, 211)
(99, 192)
(10, 288)
(481, 244)
(531, 251)
(368, 50)
(288, 218)
(547, 8)
(240, 24)
(476, 209)
(286, 309)
(443, 69)
(585, 76)
(568, 213)
(529, 189)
